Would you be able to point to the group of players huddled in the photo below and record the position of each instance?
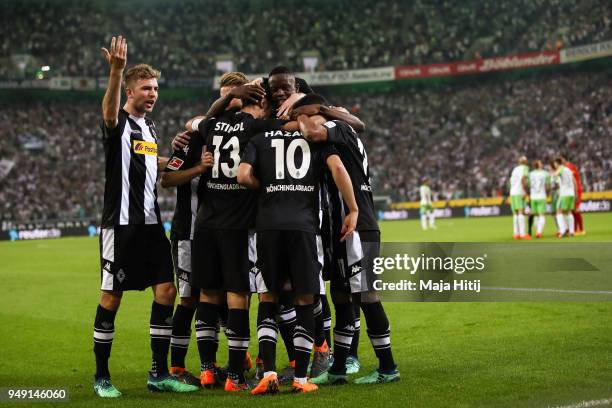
(273, 199)
(528, 195)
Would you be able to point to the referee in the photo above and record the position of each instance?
(134, 250)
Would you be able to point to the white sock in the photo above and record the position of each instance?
(300, 380)
(424, 221)
(432, 220)
(570, 223)
(267, 373)
(515, 224)
(561, 224)
(521, 224)
(540, 223)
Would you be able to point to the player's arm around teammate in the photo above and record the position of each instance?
(177, 178)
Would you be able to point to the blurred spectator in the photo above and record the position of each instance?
(184, 37)
(463, 137)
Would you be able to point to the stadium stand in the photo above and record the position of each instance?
(463, 136)
(188, 35)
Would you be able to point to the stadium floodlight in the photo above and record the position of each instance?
(45, 68)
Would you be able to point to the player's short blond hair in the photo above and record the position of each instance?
(140, 71)
(233, 79)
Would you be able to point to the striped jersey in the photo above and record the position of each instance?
(130, 194)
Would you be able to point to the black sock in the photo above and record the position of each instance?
(357, 325)
(238, 334)
(266, 334)
(379, 334)
(303, 338)
(223, 311)
(327, 320)
(286, 327)
(161, 333)
(207, 323)
(181, 333)
(104, 331)
(319, 333)
(530, 223)
(343, 336)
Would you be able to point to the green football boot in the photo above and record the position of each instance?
(105, 389)
(377, 377)
(169, 383)
(328, 378)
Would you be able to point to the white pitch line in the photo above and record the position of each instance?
(584, 292)
(586, 404)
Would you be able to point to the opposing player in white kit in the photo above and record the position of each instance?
(427, 211)
(565, 202)
(539, 184)
(518, 191)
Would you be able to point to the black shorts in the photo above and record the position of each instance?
(134, 257)
(293, 257)
(220, 260)
(181, 258)
(354, 260)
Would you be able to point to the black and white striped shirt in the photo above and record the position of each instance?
(130, 194)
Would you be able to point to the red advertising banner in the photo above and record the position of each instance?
(484, 65)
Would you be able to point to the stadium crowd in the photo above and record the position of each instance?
(186, 37)
(463, 137)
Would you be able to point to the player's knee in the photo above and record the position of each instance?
(110, 299)
(301, 300)
(189, 302)
(213, 297)
(268, 297)
(237, 300)
(340, 298)
(370, 296)
(165, 293)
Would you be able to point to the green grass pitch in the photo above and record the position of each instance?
(449, 354)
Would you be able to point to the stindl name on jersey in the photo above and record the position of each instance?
(226, 127)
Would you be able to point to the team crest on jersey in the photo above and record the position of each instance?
(142, 147)
(175, 163)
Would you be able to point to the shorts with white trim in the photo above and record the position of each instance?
(354, 272)
(181, 258)
(134, 257)
(289, 260)
(220, 260)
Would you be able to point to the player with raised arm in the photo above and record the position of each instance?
(426, 210)
(518, 192)
(355, 257)
(566, 201)
(288, 170)
(539, 185)
(134, 251)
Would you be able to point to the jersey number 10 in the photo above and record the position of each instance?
(295, 172)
